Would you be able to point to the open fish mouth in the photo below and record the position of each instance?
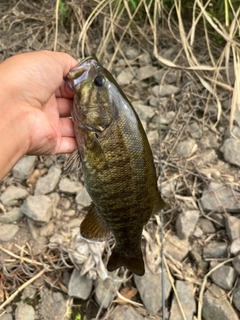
(81, 71)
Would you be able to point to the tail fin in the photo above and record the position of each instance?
(134, 264)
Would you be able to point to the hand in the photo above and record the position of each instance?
(35, 105)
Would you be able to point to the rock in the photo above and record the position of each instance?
(146, 72)
(215, 249)
(38, 208)
(152, 136)
(198, 232)
(236, 298)
(49, 182)
(83, 199)
(39, 245)
(169, 54)
(232, 134)
(194, 130)
(47, 230)
(150, 289)
(12, 216)
(132, 53)
(12, 194)
(219, 220)
(125, 77)
(209, 140)
(206, 225)
(235, 246)
(177, 248)
(8, 232)
(144, 112)
(24, 312)
(185, 291)
(160, 121)
(216, 306)
(28, 293)
(186, 223)
(24, 168)
(220, 197)
(230, 150)
(6, 316)
(68, 186)
(144, 59)
(207, 156)
(79, 286)
(236, 263)
(125, 313)
(53, 305)
(105, 291)
(164, 90)
(224, 277)
(232, 227)
(186, 148)
(74, 223)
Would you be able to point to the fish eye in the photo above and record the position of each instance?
(99, 81)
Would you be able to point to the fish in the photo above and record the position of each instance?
(117, 164)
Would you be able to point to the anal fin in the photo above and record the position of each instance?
(92, 227)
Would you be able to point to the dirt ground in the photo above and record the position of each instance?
(186, 132)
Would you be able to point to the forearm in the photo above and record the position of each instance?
(13, 136)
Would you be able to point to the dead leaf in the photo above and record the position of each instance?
(127, 293)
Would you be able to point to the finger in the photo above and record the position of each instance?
(64, 107)
(67, 145)
(64, 91)
(67, 128)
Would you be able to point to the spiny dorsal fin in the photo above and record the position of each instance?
(92, 226)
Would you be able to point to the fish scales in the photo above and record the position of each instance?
(117, 164)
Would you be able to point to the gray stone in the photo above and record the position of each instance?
(24, 312)
(235, 247)
(185, 291)
(144, 112)
(12, 216)
(224, 277)
(232, 227)
(125, 77)
(132, 53)
(152, 136)
(126, 314)
(29, 292)
(205, 157)
(164, 90)
(39, 245)
(150, 289)
(146, 72)
(194, 130)
(186, 148)
(12, 194)
(38, 208)
(177, 248)
(144, 59)
(105, 291)
(219, 220)
(52, 305)
(230, 150)
(68, 186)
(79, 286)
(8, 232)
(206, 225)
(236, 298)
(234, 133)
(24, 168)
(236, 263)
(74, 223)
(215, 249)
(169, 54)
(186, 223)
(83, 199)
(48, 229)
(6, 316)
(216, 306)
(160, 121)
(220, 197)
(49, 182)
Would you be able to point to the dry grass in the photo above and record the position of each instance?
(103, 27)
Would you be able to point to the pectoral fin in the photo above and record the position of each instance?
(98, 154)
(72, 164)
(93, 227)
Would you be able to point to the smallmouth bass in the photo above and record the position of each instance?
(117, 164)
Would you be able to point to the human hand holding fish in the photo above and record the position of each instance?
(35, 105)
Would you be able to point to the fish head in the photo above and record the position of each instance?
(93, 106)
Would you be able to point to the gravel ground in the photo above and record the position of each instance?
(48, 272)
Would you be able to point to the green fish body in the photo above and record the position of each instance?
(117, 164)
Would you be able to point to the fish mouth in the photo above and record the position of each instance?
(81, 71)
